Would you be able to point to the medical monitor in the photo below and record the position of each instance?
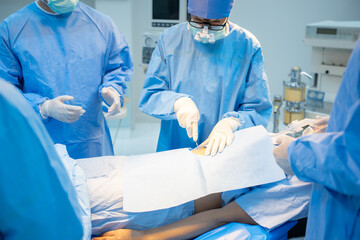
(166, 13)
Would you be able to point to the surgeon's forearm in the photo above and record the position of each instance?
(200, 223)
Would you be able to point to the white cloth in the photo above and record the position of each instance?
(171, 178)
(78, 179)
(105, 175)
(273, 204)
(270, 205)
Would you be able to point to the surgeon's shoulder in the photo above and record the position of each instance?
(244, 36)
(174, 33)
(102, 21)
(17, 20)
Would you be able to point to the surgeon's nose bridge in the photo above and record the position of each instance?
(207, 23)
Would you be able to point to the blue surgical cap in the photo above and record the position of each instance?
(210, 9)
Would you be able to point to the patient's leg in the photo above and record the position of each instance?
(208, 216)
(208, 202)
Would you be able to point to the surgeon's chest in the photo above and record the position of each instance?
(207, 69)
(60, 48)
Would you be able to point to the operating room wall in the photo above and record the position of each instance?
(280, 27)
(130, 17)
(120, 12)
(9, 7)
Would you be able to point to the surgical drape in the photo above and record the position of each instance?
(74, 54)
(224, 79)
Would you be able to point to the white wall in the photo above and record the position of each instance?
(121, 13)
(280, 27)
(139, 23)
(130, 17)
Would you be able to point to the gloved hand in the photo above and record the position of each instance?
(222, 135)
(56, 108)
(112, 98)
(188, 116)
(280, 153)
(320, 124)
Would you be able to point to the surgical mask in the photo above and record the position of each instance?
(62, 6)
(205, 35)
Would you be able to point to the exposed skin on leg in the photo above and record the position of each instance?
(208, 215)
(208, 202)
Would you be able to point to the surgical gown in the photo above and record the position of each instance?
(74, 54)
(224, 79)
(37, 198)
(332, 161)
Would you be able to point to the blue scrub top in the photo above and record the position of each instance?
(37, 198)
(224, 79)
(74, 54)
(332, 161)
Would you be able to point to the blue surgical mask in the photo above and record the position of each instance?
(205, 35)
(62, 6)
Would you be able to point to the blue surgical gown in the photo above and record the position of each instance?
(74, 54)
(224, 79)
(332, 161)
(37, 199)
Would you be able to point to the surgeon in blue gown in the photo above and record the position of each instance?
(37, 198)
(332, 161)
(67, 58)
(206, 76)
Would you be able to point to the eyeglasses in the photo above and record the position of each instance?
(214, 27)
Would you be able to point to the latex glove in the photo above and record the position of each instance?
(188, 116)
(112, 98)
(281, 155)
(56, 108)
(221, 136)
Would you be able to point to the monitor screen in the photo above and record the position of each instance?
(166, 9)
(328, 31)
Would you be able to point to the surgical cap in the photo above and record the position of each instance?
(210, 9)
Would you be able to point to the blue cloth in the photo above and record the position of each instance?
(247, 232)
(74, 54)
(37, 199)
(79, 181)
(332, 161)
(210, 9)
(224, 79)
(273, 204)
